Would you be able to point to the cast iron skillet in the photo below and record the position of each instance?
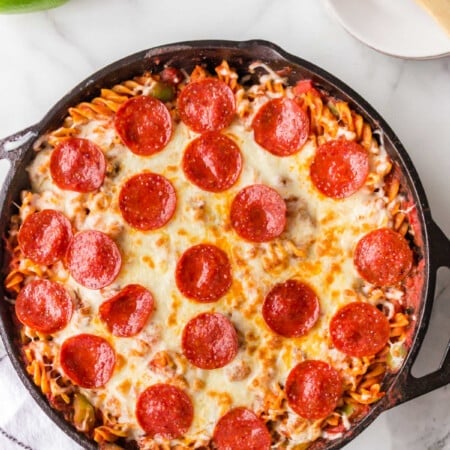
(435, 249)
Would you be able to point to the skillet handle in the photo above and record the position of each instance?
(415, 387)
(13, 147)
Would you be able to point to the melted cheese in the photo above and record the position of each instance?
(316, 247)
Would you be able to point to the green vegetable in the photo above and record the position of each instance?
(162, 91)
(348, 409)
(396, 355)
(333, 109)
(84, 414)
(24, 6)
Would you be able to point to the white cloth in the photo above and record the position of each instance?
(23, 425)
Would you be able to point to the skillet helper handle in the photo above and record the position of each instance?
(13, 147)
(415, 387)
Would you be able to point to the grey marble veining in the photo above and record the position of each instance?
(43, 55)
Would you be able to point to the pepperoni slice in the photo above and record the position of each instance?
(126, 313)
(313, 389)
(241, 429)
(93, 259)
(213, 162)
(77, 165)
(147, 201)
(383, 257)
(44, 236)
(203, 273)
(88, 360)
(165, 411)
(144, 125)
(44, 306)
(340, 168)
(281, 127)
(258, 213)
(359, 329)
(207, 105)
(209, 341)
(291, 308)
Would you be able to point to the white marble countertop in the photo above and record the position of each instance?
(43, 55)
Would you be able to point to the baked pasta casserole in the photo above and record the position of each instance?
(212, 261)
